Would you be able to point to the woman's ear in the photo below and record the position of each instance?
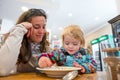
(28, 33)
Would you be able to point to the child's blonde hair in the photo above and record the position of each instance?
(75, 32)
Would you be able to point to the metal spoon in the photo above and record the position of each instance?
(70, 76)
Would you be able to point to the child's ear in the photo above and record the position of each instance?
(80, 46)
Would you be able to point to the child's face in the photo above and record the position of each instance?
(71, 44)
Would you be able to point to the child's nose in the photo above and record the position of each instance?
(70, 46)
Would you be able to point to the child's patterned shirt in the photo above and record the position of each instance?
(63, 58)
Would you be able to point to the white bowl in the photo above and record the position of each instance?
(58, 71)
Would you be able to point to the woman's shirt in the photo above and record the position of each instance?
(10, 49)
(62, 58)
(9, 52)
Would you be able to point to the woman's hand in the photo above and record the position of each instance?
(28, 26)
(44, 62)
(79, 66)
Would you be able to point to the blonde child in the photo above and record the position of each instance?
(72, 53)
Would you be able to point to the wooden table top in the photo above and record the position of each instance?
(40, 76)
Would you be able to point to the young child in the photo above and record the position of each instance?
(72, 53)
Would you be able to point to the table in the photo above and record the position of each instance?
(112, 61)
(40, 76)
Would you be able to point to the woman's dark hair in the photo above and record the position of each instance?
(25, 50)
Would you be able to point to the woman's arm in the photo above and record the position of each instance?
(9, 51)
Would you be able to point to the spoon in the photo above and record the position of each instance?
(70, 76)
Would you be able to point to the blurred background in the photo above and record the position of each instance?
(91, 16)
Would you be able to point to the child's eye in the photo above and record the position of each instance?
(75, 44)
(67, 43)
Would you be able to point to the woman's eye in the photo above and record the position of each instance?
(36, 26)
(43, 27)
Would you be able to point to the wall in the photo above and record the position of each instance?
(102, 31)
(106, 29)
(6, 25)
(118, 5)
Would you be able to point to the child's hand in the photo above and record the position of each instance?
(79, 66)
(44, 62)
(92, 69)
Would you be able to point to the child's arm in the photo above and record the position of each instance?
(44, 61)
(76, 64)
(92, 69)
(90, 64)
(48, 59)
(87, 62)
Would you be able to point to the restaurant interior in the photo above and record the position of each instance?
(99, 20)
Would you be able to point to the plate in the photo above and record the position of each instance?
(58, 71)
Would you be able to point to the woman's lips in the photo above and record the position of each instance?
(39, 35)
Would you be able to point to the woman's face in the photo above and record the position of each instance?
(38, 30)
(71, 44)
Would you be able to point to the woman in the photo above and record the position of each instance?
(23, 43)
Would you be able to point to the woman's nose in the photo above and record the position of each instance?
(41, 30)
